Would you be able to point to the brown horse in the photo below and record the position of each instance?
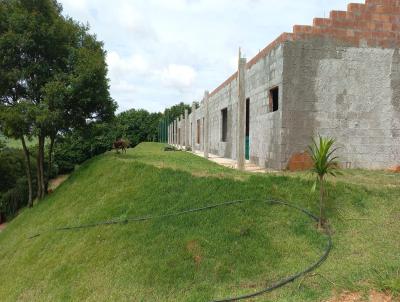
(120, 145)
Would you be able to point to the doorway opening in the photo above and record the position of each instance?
(247, 143)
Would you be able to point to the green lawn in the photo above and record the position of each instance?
(202, 256)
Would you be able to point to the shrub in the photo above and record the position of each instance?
(170, 148)
(77, 146)
(13, 182)
(321, 152)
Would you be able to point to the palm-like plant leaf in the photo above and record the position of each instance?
(321, 152)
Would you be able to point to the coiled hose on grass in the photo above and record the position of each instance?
(277, 285)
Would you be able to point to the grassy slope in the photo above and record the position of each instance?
(225, 251)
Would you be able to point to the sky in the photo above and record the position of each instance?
(162, 52)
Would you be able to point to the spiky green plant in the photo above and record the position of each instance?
(322, 153)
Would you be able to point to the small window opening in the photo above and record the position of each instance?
(224, 129)
(274, 99)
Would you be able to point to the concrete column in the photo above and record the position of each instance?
(182, 133)
(169, 134)
(241, 125)
(178, 132)
(206, 125)
(187, 129)
(175, 131)
(194, 126)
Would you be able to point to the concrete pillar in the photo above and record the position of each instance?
(182, 133)
(206, 125)
(241, 124)
(169, 134)
(194, 126)
(178, 132)
(187, 129)
(175, 131)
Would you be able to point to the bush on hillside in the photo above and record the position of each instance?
(13, 182)
(170, 148)
(77, 146)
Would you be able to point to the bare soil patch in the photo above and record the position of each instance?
(194, 249)
(373, 296)
(56, 182)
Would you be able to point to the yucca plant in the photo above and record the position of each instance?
(322, 153)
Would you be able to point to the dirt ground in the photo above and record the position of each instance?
(56, 182)
(373, 296)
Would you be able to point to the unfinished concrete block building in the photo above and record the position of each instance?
(339, 77)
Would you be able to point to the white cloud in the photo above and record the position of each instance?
(77, 5)
(164, 52)
(178, 76)
(120, 67)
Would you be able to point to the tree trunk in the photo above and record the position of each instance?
(28, 171)
(40, 168)
(321, 201)
(52, 139)
(38, 175)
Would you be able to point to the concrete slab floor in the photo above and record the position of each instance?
(230, 163)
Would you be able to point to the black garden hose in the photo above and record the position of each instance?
(277, 285)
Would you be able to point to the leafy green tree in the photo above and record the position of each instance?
(137, 126)
(16, 122)
(175, 111)
(322, 153)
(54, 64)
(78, 145)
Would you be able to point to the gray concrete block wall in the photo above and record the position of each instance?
(225, 98)
(265, 126)
(199, 115)
(349, 93)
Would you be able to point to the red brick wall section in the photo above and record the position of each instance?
(300, 162)
(375, 23)
(395, 169)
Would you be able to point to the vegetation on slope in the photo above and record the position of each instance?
(198, 257)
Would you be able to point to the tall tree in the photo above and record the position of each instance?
(55, 65)
(137, 125)
(16, 122)
(176, 110)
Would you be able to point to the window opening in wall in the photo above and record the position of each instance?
(274, 99)
(198, 132)
(224, 129)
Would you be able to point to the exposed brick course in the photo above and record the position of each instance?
(373, 24)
